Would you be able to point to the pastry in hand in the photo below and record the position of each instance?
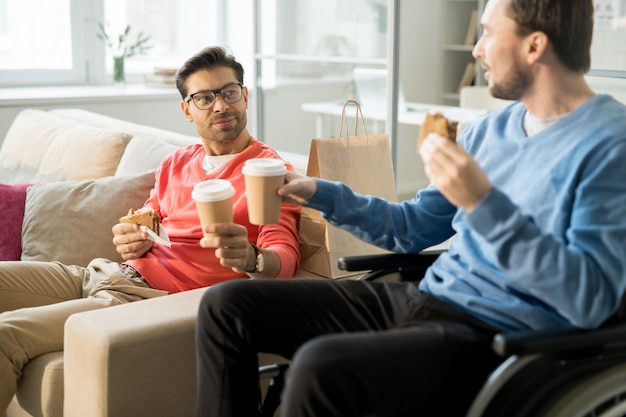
(435, 122)
(144, 217)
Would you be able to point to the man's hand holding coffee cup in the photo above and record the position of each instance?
(214, 200)
(298, 189)
(231, 245)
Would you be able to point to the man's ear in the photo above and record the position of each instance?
(536, 45)
(244, 90)
(185, 108)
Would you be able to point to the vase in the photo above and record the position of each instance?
(119, 76)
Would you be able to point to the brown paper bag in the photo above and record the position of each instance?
(364, 163)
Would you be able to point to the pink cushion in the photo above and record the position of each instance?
(12, 201)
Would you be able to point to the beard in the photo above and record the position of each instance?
(513, 87)
(226, 136)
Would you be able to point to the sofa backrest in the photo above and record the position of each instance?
(134, 129)
(148, 145)
(74, 144)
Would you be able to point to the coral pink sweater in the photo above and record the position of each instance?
(186, 265)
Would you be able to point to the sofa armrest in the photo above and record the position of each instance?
(136, 359)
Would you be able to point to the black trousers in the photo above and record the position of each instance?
(357, 348)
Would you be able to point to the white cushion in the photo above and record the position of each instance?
(143, 153)
(43, 147)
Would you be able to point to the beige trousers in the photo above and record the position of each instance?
(36, 298)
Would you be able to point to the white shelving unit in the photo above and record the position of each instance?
(456, 53)
(305, 51)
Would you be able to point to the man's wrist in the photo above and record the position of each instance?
(257, 265)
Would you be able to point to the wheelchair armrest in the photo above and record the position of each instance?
(273, 370)
(276, 374)
(388, 261)
(567, 341)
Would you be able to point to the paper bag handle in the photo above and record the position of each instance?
(344, 119)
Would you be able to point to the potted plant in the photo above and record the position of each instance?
(123, 48)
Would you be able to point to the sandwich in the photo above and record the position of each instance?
(144, 217)
(435, 122)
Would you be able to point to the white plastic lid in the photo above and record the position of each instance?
(264, 167)
(212, 190)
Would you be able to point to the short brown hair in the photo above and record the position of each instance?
(207, 59)
(567, 23)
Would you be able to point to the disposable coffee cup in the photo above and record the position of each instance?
(263, 177)
(214, 201)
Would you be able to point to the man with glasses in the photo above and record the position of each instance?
(37, 298)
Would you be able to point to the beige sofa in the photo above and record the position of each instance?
(130, 360)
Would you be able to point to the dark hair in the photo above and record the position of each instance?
(567, 23)
(207, 59)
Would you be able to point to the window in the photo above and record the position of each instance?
(47, 42)
(608, 52)
(21, 50)
(35, 38)
(177, 29)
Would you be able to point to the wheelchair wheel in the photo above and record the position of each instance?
(600, 395)
(545, 386)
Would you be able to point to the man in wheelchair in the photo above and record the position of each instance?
(535, 196)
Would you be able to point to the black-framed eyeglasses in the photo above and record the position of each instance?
(204, 100)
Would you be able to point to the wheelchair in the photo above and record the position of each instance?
(567, 373)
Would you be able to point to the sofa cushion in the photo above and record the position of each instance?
(143, 153)
(43, 147)
(12, 200)
(71, 221)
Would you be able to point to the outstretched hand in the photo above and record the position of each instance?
(298, 189)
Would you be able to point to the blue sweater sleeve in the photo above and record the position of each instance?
(408, 226)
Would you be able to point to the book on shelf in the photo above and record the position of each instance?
(472, 27)
(161, 77)
(467, 78)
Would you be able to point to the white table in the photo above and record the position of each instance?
(414, 115)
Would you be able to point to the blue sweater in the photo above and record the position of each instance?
(546, 248)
